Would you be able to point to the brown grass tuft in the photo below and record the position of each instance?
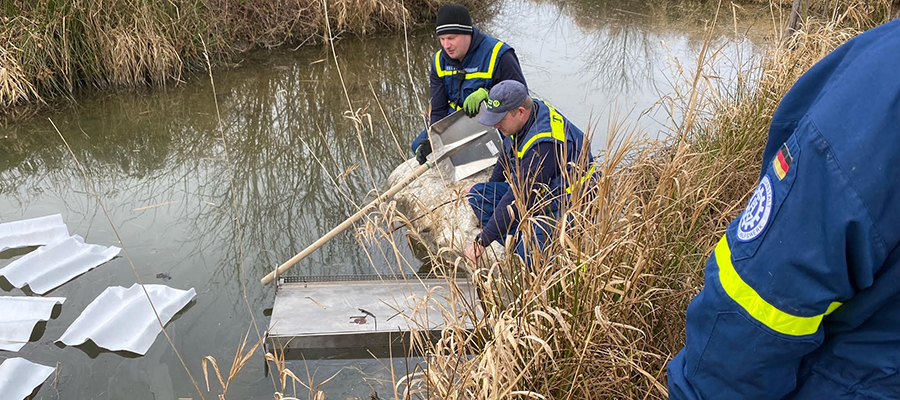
(14, 84)
(53, 48)
(603, 312)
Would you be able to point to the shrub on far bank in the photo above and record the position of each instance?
(52, 48)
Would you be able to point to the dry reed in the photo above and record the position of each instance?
(52, 48)
(602, 310)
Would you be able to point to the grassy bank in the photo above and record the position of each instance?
(603, 316)
(51, 48)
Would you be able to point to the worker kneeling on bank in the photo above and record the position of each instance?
(544, 159)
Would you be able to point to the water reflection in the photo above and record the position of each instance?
(291, 151)
(611, 60)
(293, 164)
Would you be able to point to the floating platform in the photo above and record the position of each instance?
(320, 315)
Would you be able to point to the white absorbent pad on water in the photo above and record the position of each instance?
(122, 319)
(19, 377)
(33, 232)
(56, 263)
(19, 316)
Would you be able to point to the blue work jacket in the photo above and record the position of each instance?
(549, 126)
(487, 62)
(802, 295)
(553, 169)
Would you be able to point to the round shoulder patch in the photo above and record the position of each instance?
(756, 216)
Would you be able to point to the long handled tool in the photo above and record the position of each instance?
(449, 136)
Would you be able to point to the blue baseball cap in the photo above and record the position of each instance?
(503, 97)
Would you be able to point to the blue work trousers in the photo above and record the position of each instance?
(483, 197)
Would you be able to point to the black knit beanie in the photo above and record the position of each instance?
(453, 18)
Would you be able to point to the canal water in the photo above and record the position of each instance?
(210, 184)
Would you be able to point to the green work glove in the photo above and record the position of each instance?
(473, 102)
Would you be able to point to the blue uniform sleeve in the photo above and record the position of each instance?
(501, 220)
(805, 243)
(440, 106)
(499, 172)
(508, 68)
(540, 165)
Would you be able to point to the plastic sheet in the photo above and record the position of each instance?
(33, 232)
(19, 377)
(54, 264)
(122, 319)
(19, 316)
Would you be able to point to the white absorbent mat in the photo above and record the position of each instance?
(54, 264)
(19, 377)
(33, 232)
(19, 316)
(122, 319)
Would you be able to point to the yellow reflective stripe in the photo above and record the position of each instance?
(557, 131)
(437, 66)
(586, 176)
(454, 106)
(490, 72)
(759, 309)
(475, 75)
(521, 153)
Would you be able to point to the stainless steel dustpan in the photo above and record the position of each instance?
(462, 146)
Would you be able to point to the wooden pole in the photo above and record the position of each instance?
(794, 19)
(346, 224)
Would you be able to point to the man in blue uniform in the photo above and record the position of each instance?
(543, 160)
(467, 66)
(802, 295)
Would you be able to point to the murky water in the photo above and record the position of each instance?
(215, 186)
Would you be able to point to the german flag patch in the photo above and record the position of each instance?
(782, 161)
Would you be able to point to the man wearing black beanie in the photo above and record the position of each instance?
(468, 65)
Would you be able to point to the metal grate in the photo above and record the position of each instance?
(353, 278)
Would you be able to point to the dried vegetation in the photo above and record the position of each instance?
(51, 48)
(602, 311)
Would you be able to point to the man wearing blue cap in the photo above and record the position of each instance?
(544, 156)
(467, 66)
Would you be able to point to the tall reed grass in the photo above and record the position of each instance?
(50, 48)
(602, 310)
